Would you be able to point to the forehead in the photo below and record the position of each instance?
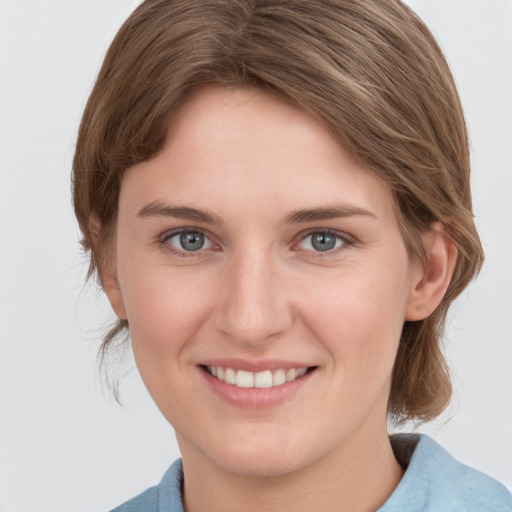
(245, 147)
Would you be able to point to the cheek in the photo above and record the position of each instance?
(165, 308)
(358, 316)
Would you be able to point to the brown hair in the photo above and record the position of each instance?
(369, 69)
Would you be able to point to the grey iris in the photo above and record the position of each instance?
(323, 241)
(192, 241)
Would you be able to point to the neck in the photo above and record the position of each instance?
(357, 477)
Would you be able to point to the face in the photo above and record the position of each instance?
(265, 282)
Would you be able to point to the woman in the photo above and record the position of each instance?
(276, 198)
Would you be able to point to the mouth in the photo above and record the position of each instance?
(262, 380)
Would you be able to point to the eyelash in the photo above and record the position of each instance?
(347, 242)
(163, 242)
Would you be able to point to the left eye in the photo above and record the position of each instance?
(322, 241)
(189, 241)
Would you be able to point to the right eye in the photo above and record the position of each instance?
(187, 241)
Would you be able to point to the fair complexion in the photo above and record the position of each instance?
(253, 244)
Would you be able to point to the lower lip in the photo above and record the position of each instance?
(256, 398)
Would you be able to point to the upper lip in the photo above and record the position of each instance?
(255, 365)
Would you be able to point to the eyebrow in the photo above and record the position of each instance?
(159, 209)
(330, 212)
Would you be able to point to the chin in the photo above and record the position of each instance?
(257, 465)
(261, 453)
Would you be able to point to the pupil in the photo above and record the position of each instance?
(323, 241)
(192, 241)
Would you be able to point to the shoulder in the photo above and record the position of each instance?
(435, 481)
(146, 501)
(164, 496)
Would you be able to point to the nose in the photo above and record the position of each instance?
(253, 308)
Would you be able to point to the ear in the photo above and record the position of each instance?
(430, 283)
(107, 268)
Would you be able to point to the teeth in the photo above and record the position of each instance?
(291, 375)
(244, 379)
(264, 379)
(301, 372)
(230, 376)
(278, 378)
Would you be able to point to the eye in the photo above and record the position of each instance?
(187, 241)
(323, 241)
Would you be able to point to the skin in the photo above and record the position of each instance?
(259, 290)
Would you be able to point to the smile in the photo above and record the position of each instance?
(263, 379)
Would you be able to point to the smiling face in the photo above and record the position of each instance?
(252, 250)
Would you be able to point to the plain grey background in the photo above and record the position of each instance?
(63, 446)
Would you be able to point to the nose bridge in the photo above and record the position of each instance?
(254, 305)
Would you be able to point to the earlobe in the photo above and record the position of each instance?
(107, 268)
(429, 283)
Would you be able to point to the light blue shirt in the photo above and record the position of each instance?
(433, 482)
